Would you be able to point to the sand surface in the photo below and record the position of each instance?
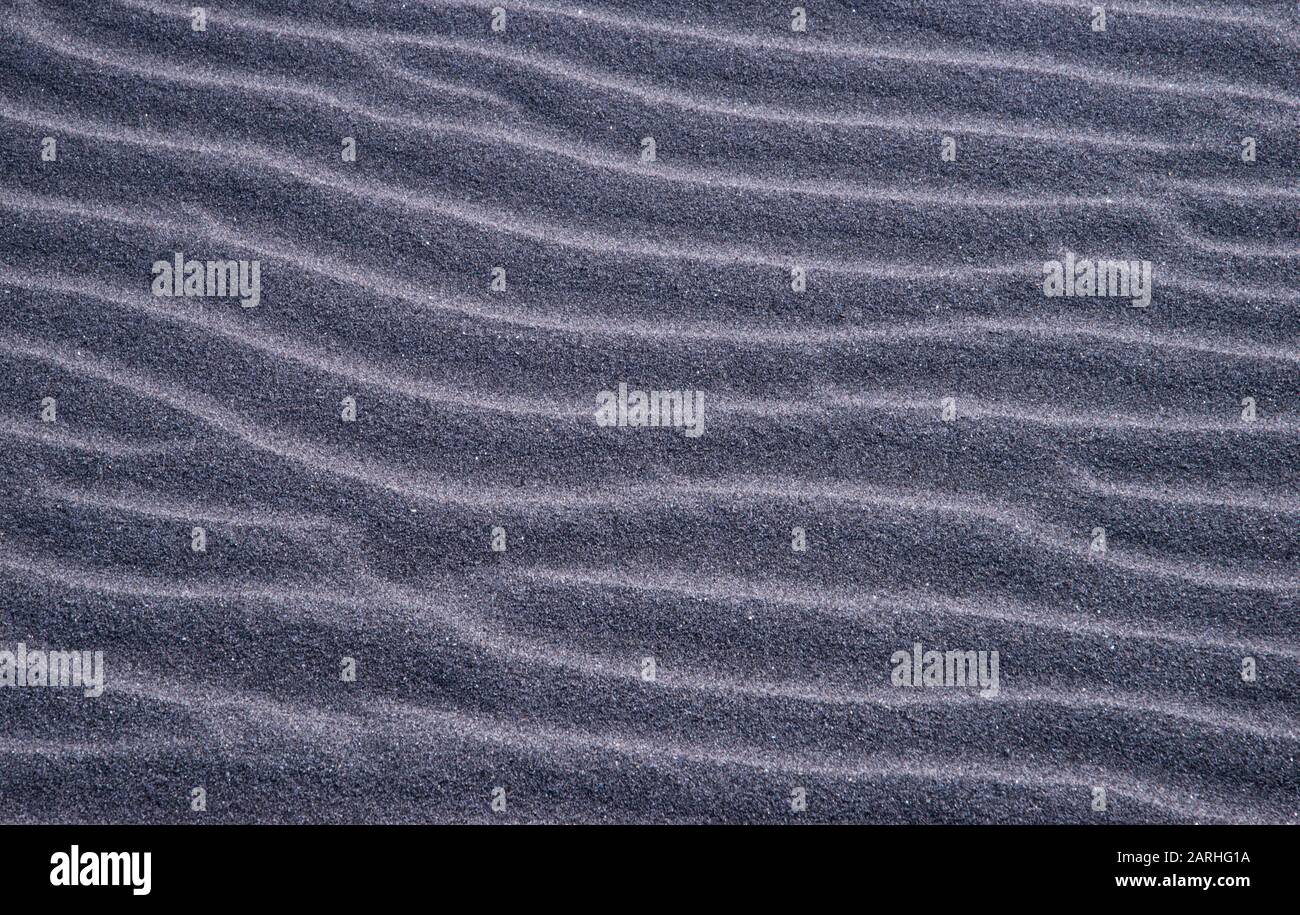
(524, 669)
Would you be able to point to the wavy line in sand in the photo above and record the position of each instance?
(812, 45)
(415, 722)
(1184, 496)
(386, 64)
(537, 141)
(285, 251)
(339, 364)
(553, 67)
(95, 442)
(1016, 522)
(335, 464)
(382, 596)
(148, 504)
(743, 592)
(706, 178)
(532, 228)
(1217, 15)
(958, 330)
(1232, 188)
(70, 748)
(971, 409)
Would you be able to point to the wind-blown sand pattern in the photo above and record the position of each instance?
(524, 670)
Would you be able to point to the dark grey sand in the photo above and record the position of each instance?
(522, 670)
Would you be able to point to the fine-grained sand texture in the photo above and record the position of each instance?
(1164, 669)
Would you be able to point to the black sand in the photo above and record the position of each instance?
(372, 540)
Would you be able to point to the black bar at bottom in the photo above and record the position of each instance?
(335, 863)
